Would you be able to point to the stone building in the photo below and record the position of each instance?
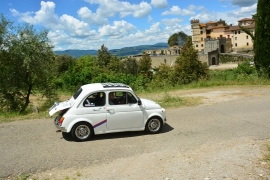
(240, 40)
(174, 50)
(222, 44)
(236, 39)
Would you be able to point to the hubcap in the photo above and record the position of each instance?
(82, 131)
(154, 125)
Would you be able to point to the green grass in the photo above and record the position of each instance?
(170, 101)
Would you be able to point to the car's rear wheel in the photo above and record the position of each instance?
(66, 135)
(154, 125)
(82, 131)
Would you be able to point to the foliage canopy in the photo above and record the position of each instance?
(177, 39)
(26, 65)
(262, 38)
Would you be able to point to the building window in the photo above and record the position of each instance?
(201, 39)
(201, 45)
(196, 45)
(235, 38)
(238, 32)
(247, 44)
(235, 44)
(201, 32)
(247, 37)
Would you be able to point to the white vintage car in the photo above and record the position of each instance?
(101, 108)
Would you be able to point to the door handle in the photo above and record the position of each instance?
(111, 111)
(96, 109)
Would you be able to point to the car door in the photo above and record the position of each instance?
(93, 109)
(124, 112)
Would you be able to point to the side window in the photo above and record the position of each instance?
(131, 99)
(117, 98)
(121, 97)
(95, 99)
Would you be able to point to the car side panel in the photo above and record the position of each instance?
(96, 116)
(156, 112)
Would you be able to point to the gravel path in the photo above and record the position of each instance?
(223, 139)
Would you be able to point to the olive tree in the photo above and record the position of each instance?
(26, 65)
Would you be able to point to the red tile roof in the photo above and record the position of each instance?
(246, 19)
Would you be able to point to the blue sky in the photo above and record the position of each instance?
(87, 24)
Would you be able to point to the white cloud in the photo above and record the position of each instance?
(154, 29)
(118, 30)
(76, 27)
(47, 18)
(205, 16)
(150, 19)
(144, 10)
(175, 10)
(244, 3)
(92, 18)
(109, 8)
(171, 22)
(231, 17)
(159, 3)
(44, 16)
(244, 12)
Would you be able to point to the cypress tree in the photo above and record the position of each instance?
(262, 38)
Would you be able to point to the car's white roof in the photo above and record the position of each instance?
(103, 86)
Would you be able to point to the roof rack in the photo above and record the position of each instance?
(109, 85)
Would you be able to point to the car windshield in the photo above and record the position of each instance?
(77, 93)
(136, 95)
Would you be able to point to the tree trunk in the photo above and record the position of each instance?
(27, 99)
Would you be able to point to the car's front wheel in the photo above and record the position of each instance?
(82, 131)
(154, 125)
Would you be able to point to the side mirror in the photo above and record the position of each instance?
(139, 102)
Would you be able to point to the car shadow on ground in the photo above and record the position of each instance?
(166, 128)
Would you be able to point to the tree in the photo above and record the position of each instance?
(177, 39)
(103, 56)
(26, 65)
(64, 62)
(130, 66)
(115, 64)
(144, 64)
(262, 36)
(188, 68)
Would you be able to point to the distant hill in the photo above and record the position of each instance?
(126, 51)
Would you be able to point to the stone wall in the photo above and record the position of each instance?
(161, 59)
(211, 58)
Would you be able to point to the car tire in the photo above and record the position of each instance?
(82, 131)
(66, 135)
(154, 125)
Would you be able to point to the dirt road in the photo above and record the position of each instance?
(223, 139)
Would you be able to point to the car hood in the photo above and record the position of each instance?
(60, 106)
(150, 104)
